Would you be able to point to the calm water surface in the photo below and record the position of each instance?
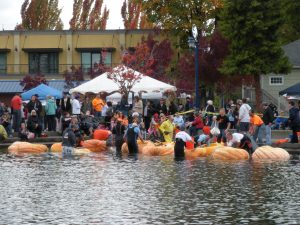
(102, 189)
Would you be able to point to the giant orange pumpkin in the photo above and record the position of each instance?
(56, 147)
(141, 146)
(229, 153)
(161, 150)
(94, 145)
(19, 148)
(270, 153)
(101, 135)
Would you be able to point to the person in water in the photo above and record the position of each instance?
(180, 139)
(118, 132)
(238, 140)
(69, 140)
(132, 134)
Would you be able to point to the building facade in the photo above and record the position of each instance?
(53, 52)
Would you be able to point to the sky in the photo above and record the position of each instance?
(10, 13)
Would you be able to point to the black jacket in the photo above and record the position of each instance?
(294, 117)
(268, 116)
(35, 105)
(161, 109)
(32, 122)
(65, 107)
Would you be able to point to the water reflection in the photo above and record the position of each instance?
(114, 189)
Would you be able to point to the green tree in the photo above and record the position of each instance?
(290, 30)
(252, 28)
(40, 15)
(88, 15)
(180, 15)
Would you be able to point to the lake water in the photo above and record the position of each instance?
(102, 189)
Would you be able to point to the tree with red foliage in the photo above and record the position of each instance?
(40, 15)
(151, 57)
(88, 15)
(133, 16)
(30, 81)
(125, 78)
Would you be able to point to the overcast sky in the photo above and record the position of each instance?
(10, 13)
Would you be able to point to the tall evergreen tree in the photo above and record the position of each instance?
(290, 31)
(40, 15)
(252, 28)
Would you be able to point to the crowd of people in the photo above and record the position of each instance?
(78, 116)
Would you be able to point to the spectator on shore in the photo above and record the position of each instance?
(35, 104)
(280, 122)
(87, 105)
(50, 111)
(24, 134)
(294, 121)
(138, 106)
(196, 125)
(76, 106)
(209, 110)
(98, 104)
(162, 107)
(256, 126)
(268, 118)
(6, 122)
(65, 103)
(33, 124)
(244, 117)
(16, 104)
(148, 113)
(224, 125)
(3, 133)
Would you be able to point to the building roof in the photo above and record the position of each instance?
(292, 50)
(13, 86)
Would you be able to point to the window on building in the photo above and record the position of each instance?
(3, 62)
(276, 80)
(45, 63)
(90, 60)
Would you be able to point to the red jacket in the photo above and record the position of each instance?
(198, 122)
(16, 102)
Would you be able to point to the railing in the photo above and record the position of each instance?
(270, 99)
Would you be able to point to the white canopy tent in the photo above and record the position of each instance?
(104, 84)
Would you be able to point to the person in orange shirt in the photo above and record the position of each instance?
(256, 124)
(98, 104)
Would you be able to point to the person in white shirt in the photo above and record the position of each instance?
(244, 117)
(76, 106)
(238, 140)
(180, 139)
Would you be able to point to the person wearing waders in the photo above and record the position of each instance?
(132, 134)
(180, 139)
(69, 141)
(118, 132)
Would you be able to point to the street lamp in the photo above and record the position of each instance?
(193, 43)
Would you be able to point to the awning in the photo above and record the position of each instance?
(4, 50)
(42, 50)
(96, 49)
(291, 91)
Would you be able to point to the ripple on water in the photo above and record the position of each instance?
(102, 189)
